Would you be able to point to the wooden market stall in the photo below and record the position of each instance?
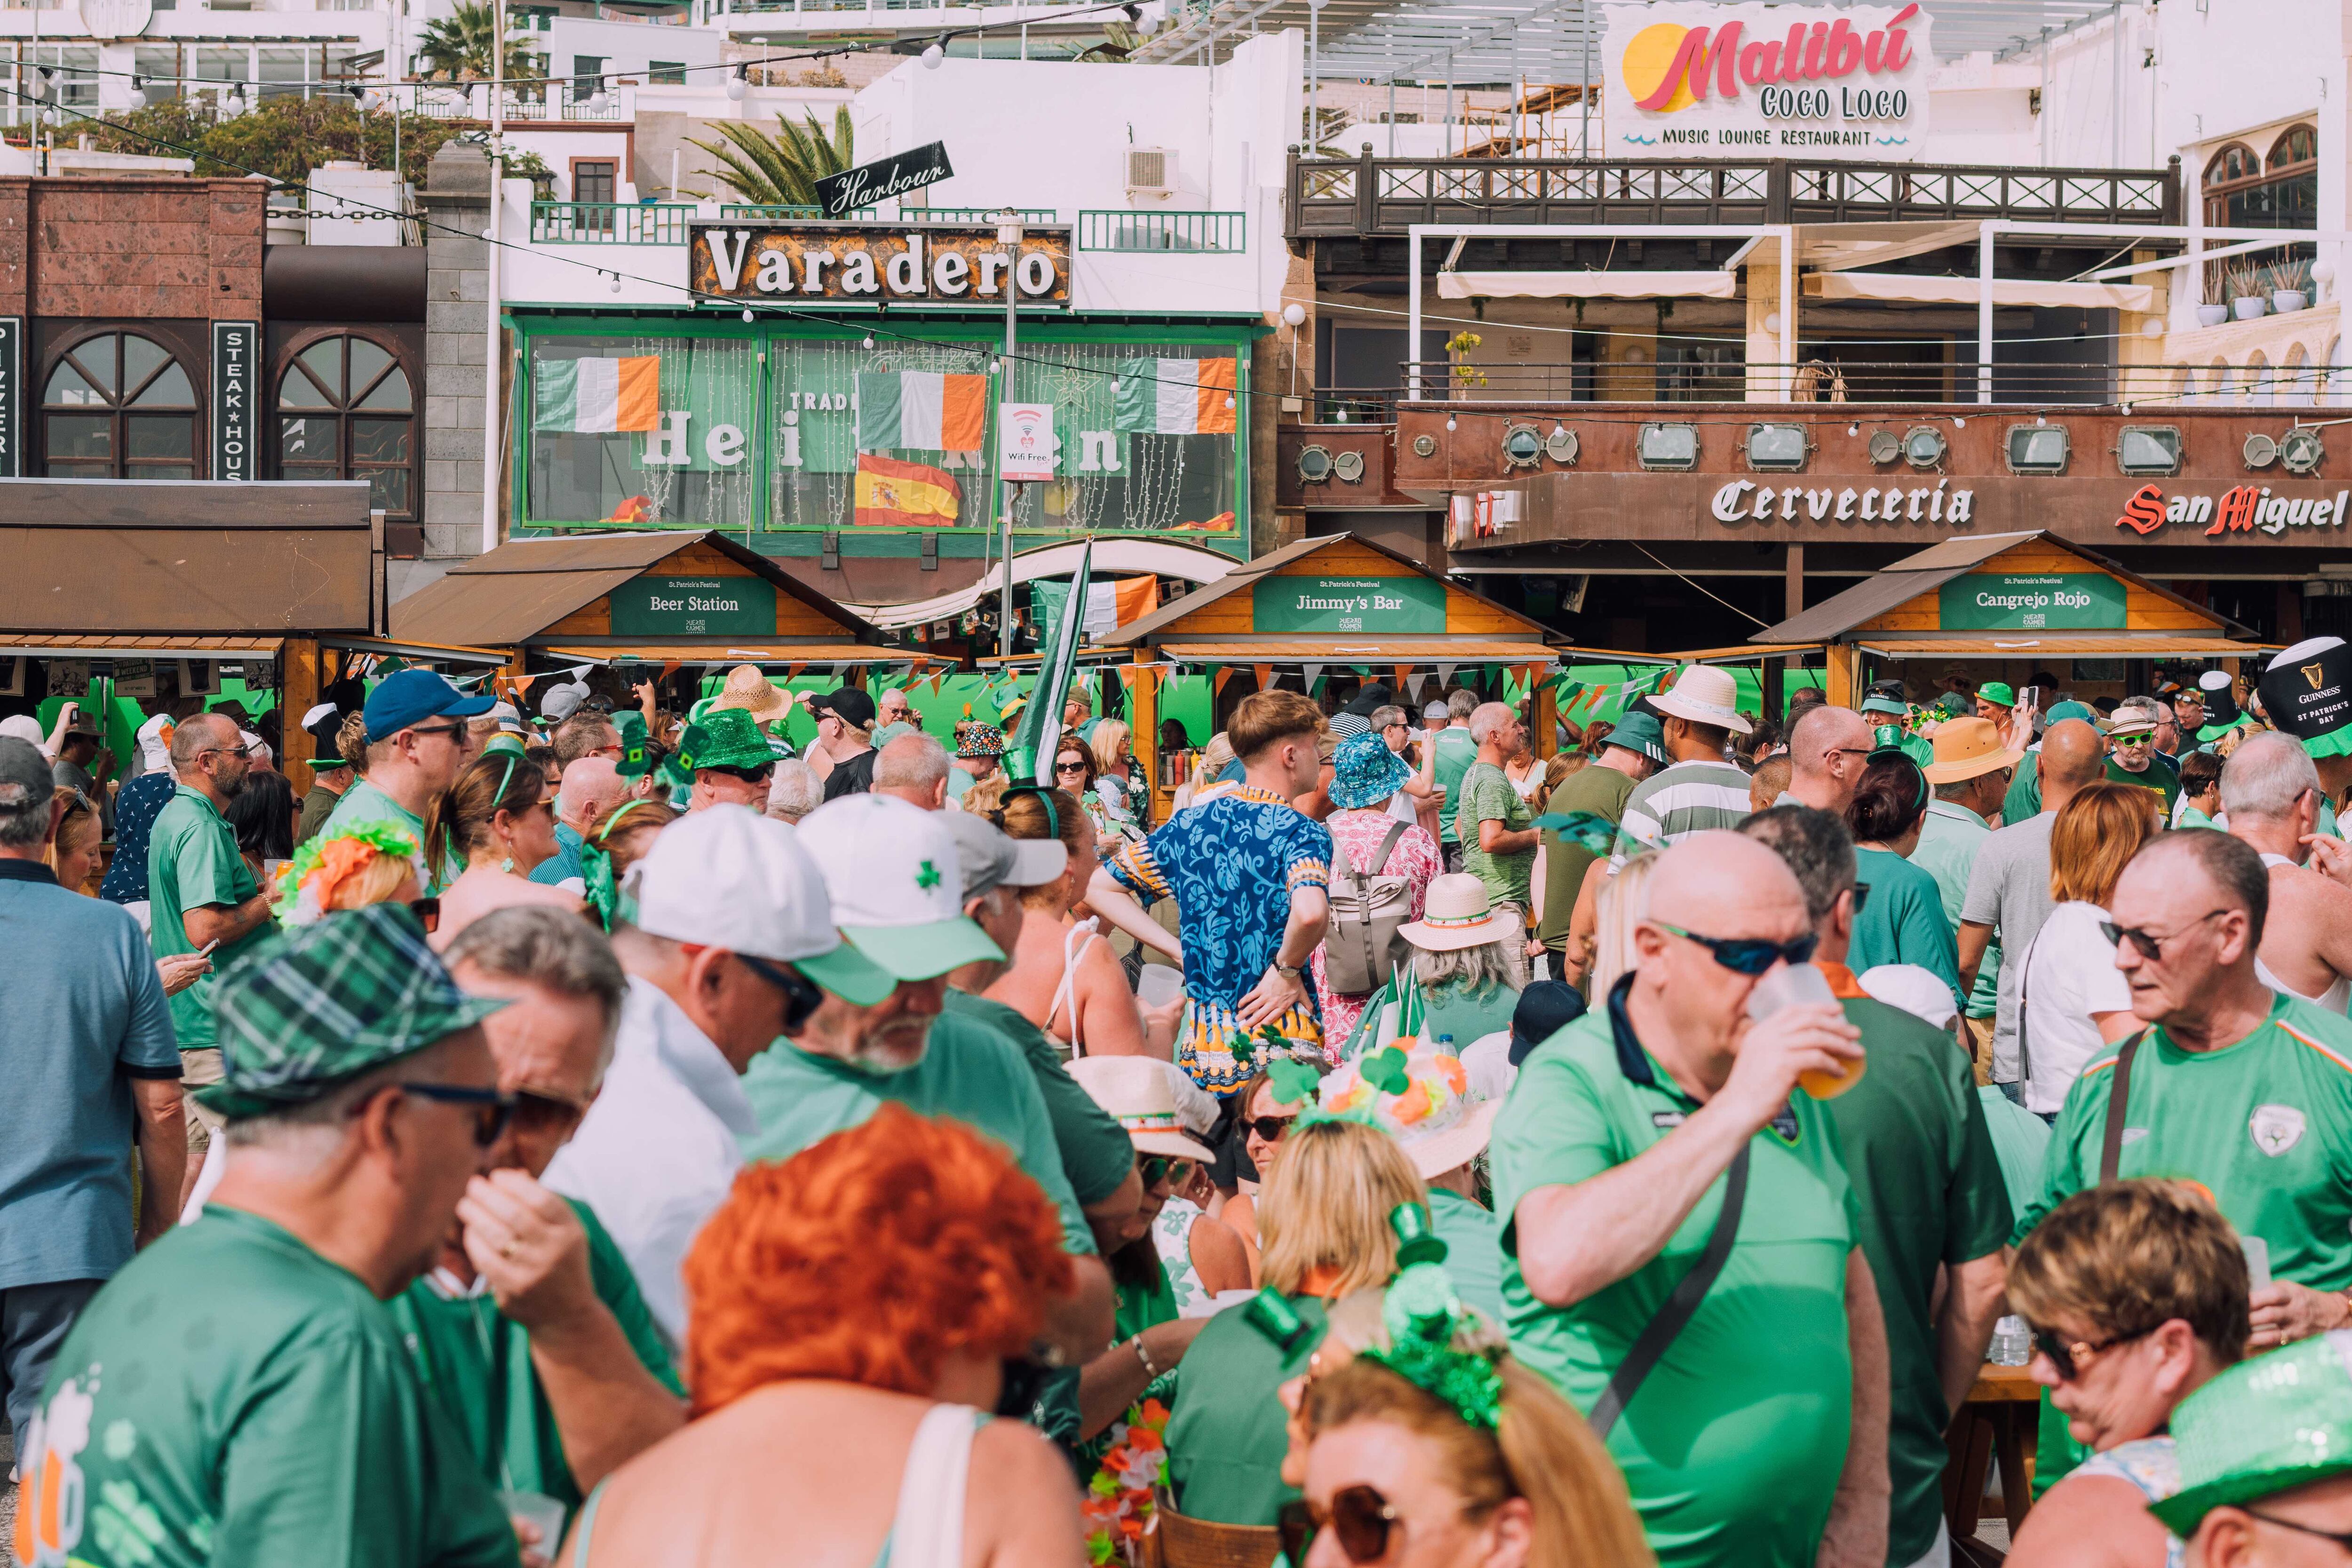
(1337, 602)
(2007, 603)
(667, 599)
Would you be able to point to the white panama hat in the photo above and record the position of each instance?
(1704, 694)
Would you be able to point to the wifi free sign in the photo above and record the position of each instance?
(1768, 80)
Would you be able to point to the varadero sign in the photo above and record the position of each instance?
(1770, 80)
(875, 262)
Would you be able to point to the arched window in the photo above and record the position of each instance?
(118, 407)
(345, 411)
(2243, 191)
(2300, 145)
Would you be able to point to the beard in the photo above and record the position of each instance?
(895, 1047)
(231, 787)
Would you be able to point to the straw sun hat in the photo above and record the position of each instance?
(751, 691)
(1455, 914)
(1137, 1092)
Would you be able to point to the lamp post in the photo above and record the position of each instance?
(1008, 235)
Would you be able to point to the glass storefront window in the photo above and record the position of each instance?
(895, 435)
(1147, 436)
(645, 429)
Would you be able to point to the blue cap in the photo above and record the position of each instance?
(412, 696)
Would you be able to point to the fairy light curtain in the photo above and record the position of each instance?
(645, 429)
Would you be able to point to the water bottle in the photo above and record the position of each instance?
(2012, 1342)
(1445, 1045)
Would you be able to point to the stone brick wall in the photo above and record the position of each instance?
(169, 248)
(457, 199)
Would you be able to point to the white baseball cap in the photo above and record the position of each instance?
(726, 877)
(897, 884)
(991, 858)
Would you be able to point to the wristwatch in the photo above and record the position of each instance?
(1294, 970)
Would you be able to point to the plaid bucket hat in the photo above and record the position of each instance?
(327, 1003)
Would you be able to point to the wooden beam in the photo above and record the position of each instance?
(1144, 703)
(1845, 661)
(298, 693)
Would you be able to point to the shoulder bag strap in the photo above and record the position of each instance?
(1388, 846)
(2110, 1147)
(1681, 1307)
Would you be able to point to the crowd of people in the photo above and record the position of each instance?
(603, 1134)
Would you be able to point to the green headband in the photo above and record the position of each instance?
(599, 886)
(1423, 1317)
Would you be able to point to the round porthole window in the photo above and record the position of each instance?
(1884, 447)
(2260, 451)
(1560, 445)
(1522, 447)
(1425, 446)
(2300, 450)
(1314, 464)
(1349, 466)
(1923, 446)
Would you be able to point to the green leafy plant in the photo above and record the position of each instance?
(284, 138)
(783, 169)
(459, 47)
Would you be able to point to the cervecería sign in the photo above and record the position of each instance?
(2032, 602)
(871, 264)
(694, 606)
(1393, 606)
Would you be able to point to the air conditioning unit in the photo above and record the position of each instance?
(1151, 171)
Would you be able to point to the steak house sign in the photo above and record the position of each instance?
(875, 263)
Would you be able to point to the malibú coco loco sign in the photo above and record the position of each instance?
(1768, 80)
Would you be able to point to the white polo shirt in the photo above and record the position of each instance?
(658, 1153)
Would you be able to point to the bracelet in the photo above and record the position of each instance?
(1150, 1370)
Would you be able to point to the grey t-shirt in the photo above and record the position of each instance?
(2008, 889)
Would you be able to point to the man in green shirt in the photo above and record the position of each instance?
(895, 881)
(1593, 800)
(1926, 1178)
(2132, 756)
(1455, 751)
(529, 1328)
(239, 1393)
(1970, 773)
(2236, 1086)
(417, 745)
(1760, 1431)
(202, 895)
(1496, 831)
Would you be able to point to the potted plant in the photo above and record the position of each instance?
(2212, 315)
(2290, 286)
(2243, 286)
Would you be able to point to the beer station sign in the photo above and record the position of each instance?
(877, 263)
(1772, 81)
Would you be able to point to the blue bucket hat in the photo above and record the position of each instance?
(1364, 772)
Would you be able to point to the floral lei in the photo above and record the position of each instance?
(1117, 1506)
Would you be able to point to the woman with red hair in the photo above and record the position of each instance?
(852, 1310)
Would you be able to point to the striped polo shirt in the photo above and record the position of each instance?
(1674, 803)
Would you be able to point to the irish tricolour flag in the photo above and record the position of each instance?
(600, 395)
(1176, 396)
(921, 411)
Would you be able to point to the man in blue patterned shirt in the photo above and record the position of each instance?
(1247, 871)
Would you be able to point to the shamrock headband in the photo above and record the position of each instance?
(328, 859)
(1425, 1317)
(600, 887)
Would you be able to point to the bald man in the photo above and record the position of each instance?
(2008, 886)
(1827, 748)
(2269, 793)
(1768, 1443)
(592, 786)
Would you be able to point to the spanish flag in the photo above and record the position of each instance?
(892, 494)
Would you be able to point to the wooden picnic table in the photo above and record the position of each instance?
(1997, 1424)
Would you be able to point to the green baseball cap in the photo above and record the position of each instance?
(889, 733)
(1879, 702)
(2065, 710)
(2264, 1426)
(1997, 692)
(729, 738)
(327, 1002)
(1952, 705)
(1641, 731)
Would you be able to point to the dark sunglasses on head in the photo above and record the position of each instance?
(2062, 1352)
(491, 1108)
(802, 997)
(1360, 1519)
(1746, 954)
(1269, 1129)
(2148, 945)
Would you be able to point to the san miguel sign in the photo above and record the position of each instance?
(2240, 509)
(877, 264)
(1768, 80)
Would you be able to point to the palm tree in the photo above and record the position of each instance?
(457, 47)
(780, 170)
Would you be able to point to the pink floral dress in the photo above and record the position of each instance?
(1357, 835)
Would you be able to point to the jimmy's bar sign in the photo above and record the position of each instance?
(866, 263)
(233, 347)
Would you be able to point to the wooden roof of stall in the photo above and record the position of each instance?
(535, 591)
(1897, 611)
(1218, 621)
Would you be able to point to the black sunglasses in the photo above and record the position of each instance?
(1748, 956)
(2148, 945)
(802, 997)
(1269, 1129)
(436, 729)
(429, 911)
(2062, 1352)
(1157, 1168)
(2342, 1542)
(491, 1108)
(1359, 1517)
(536, 1113)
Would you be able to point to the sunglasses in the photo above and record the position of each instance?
(429, 911)
(2342, 1542)
(2129, 742)
(1748, 956)
(491, 1108)
(1157, 1168)
(543, 1113)
(802, 997)
(1069, 767)
(1359, 1517)
(2062, 1353)
(1269, 1129)
(452, 730)
(2148, 945)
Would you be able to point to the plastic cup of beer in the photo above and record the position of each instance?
(1791, 984)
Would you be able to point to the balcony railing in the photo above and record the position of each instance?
(1154, 231)
(607, 223)
(1368, 195)
(754, 212)
(553, 102)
